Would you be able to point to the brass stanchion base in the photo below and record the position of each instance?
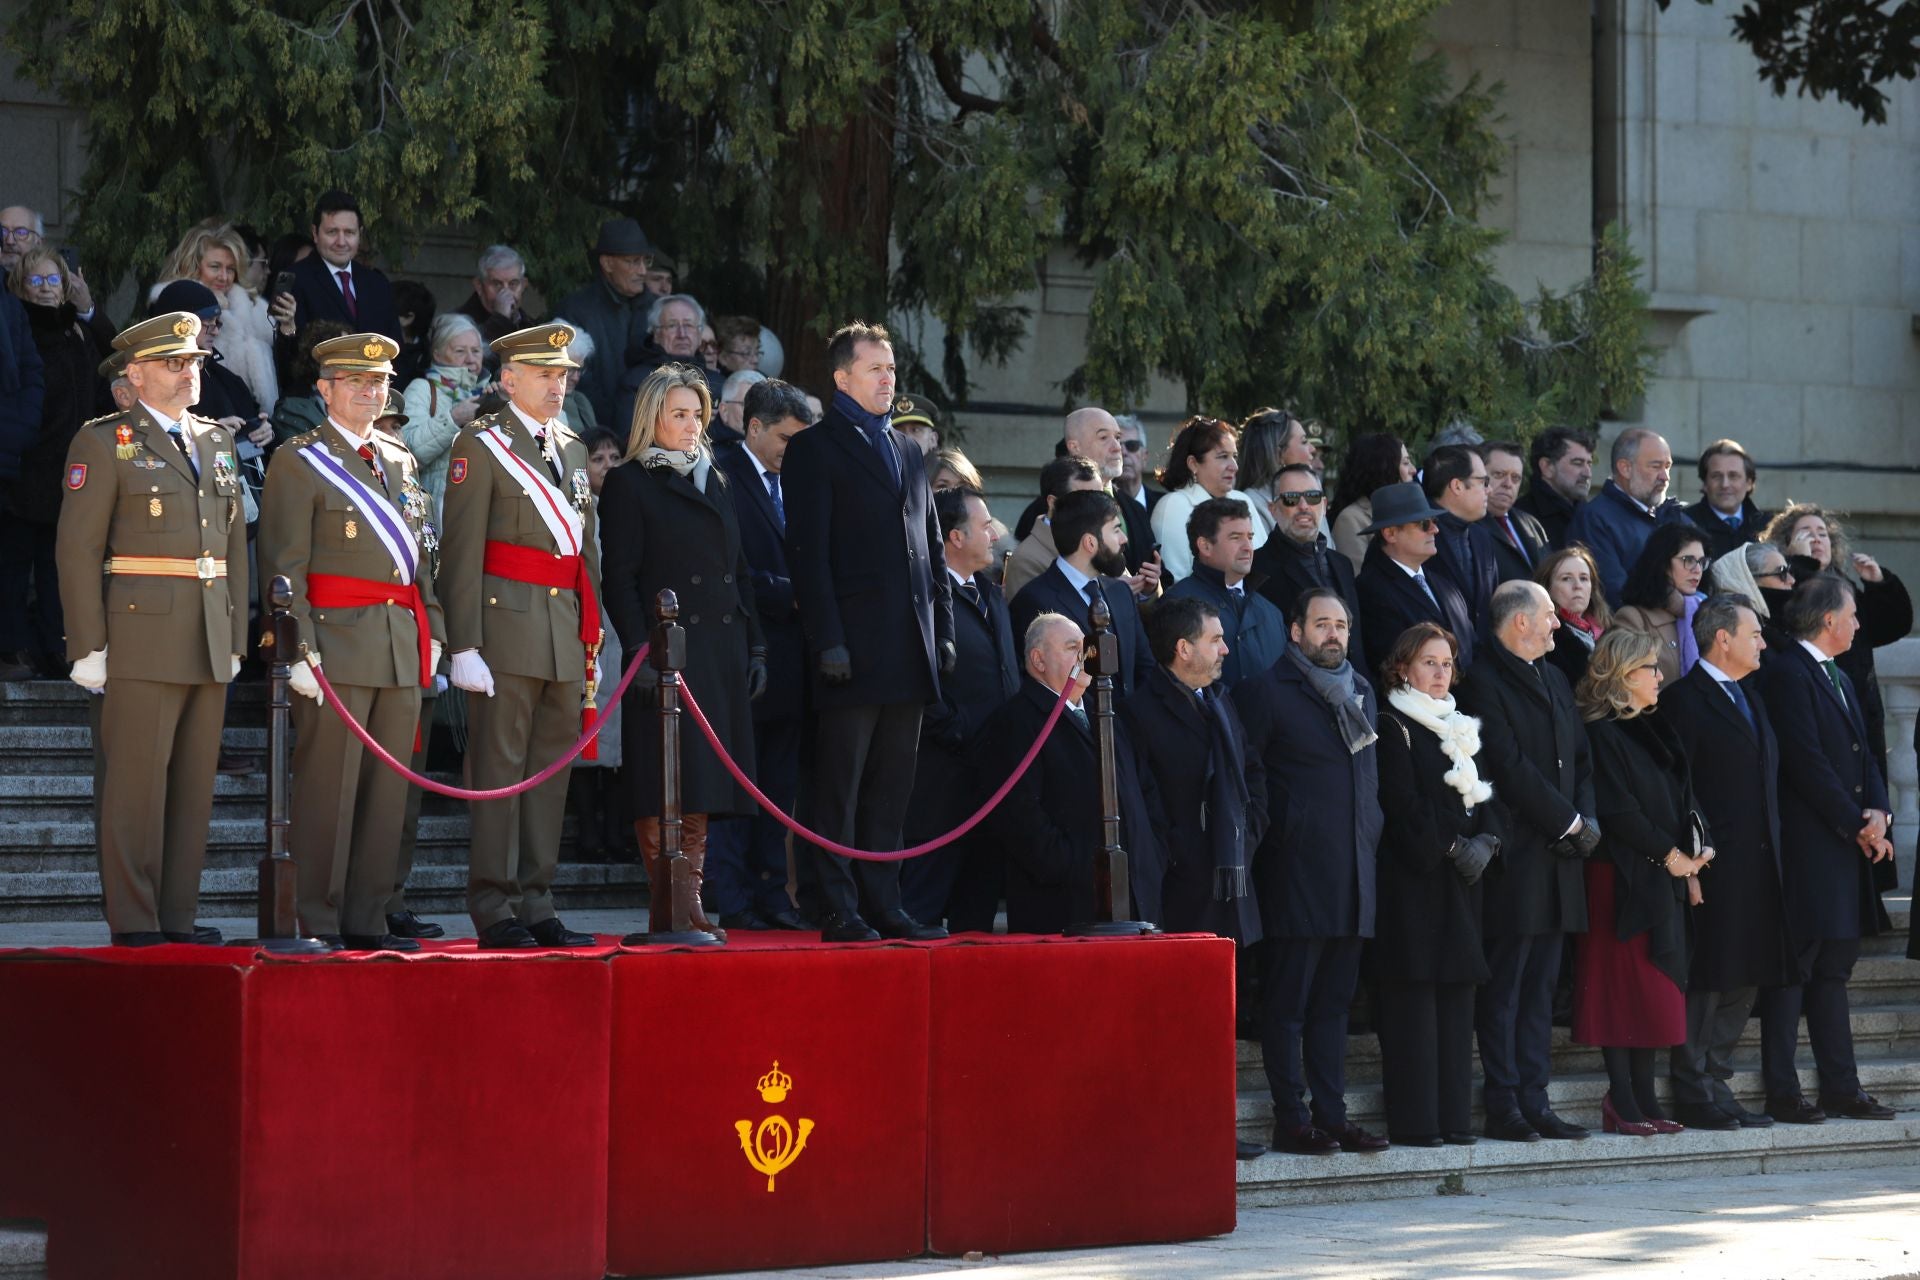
(1109, 929)
(673, 938)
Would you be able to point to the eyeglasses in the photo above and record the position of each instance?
(52, 281)
(1471, 481)
(747, 353)
(678, 327)
(1781, 572)
(178, 364)
(18, 233)
(1691, 562)
(1312, 497)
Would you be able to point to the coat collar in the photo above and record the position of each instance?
(1715, 697)
(842, 431)
(160, 444)
(1178, 700)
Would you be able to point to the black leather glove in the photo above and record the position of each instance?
(836, 665)
(1587, 838)
(1471, 854)
(949, 657)
(644, 692)
(756, 672)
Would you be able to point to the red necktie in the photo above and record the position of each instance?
(366, 451)
(346, 291)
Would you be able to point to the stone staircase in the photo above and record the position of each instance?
(48, 868)
(1886, 1028)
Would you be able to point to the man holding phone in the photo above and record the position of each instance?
(330, 283)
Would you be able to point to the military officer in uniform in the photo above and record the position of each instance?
(342, 519)
(152, 555)
(520, 580)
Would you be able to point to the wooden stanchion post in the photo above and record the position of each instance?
(279, 885)
(1112, 890)
(668, 656)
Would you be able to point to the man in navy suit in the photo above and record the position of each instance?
(1833, 828)
(1091, 541)
(1398, 583)
(961, 881)
(747, 857)
(328, 284)
(870, 583)
(1455, 479)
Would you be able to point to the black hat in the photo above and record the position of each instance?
(187, 295)
(1396, 504)
(622, 237)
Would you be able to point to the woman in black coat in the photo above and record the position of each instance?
(667, 521)
(1437, 841)
(1572, 579)
(1630, 967)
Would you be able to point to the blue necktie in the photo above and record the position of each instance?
(180, 443)
(878, 439)
(773, 491)
(1739, 697)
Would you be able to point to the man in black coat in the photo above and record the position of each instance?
(747, 858)
(1726, 513)
(863, 545)
(329, 284)
(1091, 543)
(961, 881)
(1296, 556)
(1455, 479)
(1833, 828)
(1534, 752)
(1049, 826)
(1309, 722)
(1519, 540)
(1094, 434)
(1741, 942)
(1398, 583)
(1560, 473)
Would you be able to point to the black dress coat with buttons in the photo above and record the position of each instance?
(763, 536)
(658, 531)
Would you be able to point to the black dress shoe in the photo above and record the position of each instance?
(378, 942)
(1795, 1111)
(1859, 1107)
(139, 939)
(1462, 1139)
(1244, 1150)
(505, 935)
(751, 921)
(898, 924)
(331, 941)
(551, 933)
(1549, 1125)
(847, 928)
(1752, 1119)
(1706, 1117)
(1304, 1140)
(1425, 1140)
(203, 935)
(405, 924)
(1352, 1137)
(1512, 1127)
(785, 918)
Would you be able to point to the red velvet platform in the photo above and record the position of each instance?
(208, 1113)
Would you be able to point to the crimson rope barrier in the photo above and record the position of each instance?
(870, 855)
(385, 757)
(713, 740)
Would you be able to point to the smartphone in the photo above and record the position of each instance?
(70, 256)
(283, 282)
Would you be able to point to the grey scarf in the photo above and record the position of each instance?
(1336, 688)
(694, 463)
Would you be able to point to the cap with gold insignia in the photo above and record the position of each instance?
(544, 344)
(356, 353)
(113, 366)
(395, 408)
(176, 333)
(906, 414)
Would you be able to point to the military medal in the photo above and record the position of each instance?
(153, 506)
(582, 491)
(352, 529)
(123, 445)
(223, 468)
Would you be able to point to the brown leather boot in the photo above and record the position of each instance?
(693, 844)
(646, 832)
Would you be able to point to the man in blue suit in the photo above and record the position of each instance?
(1092, 546)
(747, 857)
(1833, 828)
(330, 284)
(870, 583)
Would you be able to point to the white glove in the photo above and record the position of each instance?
(597, 677)
(300, 680)
(434, 650)
(91, 671)
(439, 683)
(235, 673)
(470, 673)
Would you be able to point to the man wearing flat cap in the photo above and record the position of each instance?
(152, 554)
(612, 310)
(520, 578)
(344, 519)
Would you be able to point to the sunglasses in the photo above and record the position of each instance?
(1133, 446)
(1781, 572)
(1312, 497)
(55, 281)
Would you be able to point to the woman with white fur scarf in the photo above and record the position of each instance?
(215, 255)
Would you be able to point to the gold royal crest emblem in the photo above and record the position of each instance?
(773, 1146)
(373, 351)
(559, 338)
(183, 328)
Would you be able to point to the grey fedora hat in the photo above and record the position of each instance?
(622, 237)
(1395, 504)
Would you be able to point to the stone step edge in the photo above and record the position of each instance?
(23, 1249)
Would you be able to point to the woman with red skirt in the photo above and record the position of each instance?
(1630, 966)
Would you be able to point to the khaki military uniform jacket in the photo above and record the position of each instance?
(520, 629)
(309, 526)
(175, 630)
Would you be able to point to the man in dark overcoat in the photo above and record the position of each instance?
(871, 587)
(1309, 721)
(1091, 542)
(1833, 828)
(1297, 556)
(1400, 582)
(1740, 937)
(1534, 752)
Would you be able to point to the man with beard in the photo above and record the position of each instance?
(1092, 557)
(1220, 534)
(1560, 461)
(1299, 556)
(1094, 434)
(1310, 724)
(1616, 524)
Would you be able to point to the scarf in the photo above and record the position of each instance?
(1336, 689)
(1585, 626)
(693, 464)
(1689, 647)
(867, 422)
(1227, 795)
(1459, 736)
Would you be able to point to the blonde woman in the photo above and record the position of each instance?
(216, 256)
(668, 522)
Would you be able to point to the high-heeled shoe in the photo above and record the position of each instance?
(1610, 1121)
(1663, 1125)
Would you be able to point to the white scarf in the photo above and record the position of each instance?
(1459, 736)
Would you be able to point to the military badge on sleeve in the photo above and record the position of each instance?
(457, 470)
(77, 475)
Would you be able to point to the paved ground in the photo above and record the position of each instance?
(69, 933)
